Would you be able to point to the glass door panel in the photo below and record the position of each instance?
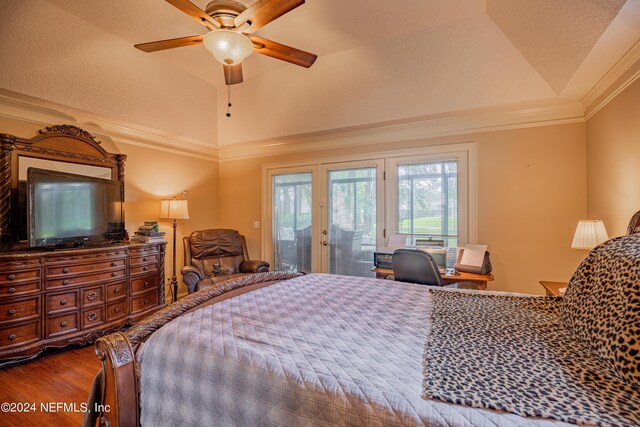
(292, 222)
(351, 220)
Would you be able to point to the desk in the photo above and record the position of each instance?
(479, 280)
(553, 288)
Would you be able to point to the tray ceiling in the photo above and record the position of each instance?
(381, 61)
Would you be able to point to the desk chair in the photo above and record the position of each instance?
(416, 266)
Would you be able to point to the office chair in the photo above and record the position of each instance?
(416, 266)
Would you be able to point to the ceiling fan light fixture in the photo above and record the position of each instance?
(228, 47)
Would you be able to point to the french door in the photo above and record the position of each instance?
(325, 218)
(352, 216)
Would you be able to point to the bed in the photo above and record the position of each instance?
(318, 349)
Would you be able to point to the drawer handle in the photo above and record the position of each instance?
(146, 302)
(113, 264)
(11, 290)
(11, 277)
(146, 284)
(92, 267)
(117, 310)
(92, 316)
(65, 282)
(65, 270)
(145, 268)
(92, 296)
(12, 337)
(114, 274)
(116, 291)
(63, 302)
(11, 312)
(63, 324)
(144, 259)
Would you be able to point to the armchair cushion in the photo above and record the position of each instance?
(254, 266)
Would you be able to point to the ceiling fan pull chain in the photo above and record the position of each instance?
(228, 101)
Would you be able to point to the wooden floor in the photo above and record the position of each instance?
(63, 376)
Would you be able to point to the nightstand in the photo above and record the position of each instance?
(553, 288)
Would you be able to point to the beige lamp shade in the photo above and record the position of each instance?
(174, 209)
(589, 234)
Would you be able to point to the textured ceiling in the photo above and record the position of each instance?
(554, 36)
(378, 61)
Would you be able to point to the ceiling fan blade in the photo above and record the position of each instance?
(262, 12)
(283, 52)
(195, 12)
(169, 44)
(232, 74)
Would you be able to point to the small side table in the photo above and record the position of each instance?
(553, 288)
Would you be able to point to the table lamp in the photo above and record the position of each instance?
(174, 209)
(589, 234)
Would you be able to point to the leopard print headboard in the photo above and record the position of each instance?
(602, 305)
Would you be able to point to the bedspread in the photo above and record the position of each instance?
(315, 350)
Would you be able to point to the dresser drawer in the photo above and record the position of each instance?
(97, 257)
(148, 259)
(20, 264)
(86, 279)
(116, 291)
(143, 284)
(92, 296)
(20, 310)
(92, 317)
(62, 302)
(19, 289)
(71, 270)
(117, 310)
(145, 251)
(62, 324)
(19, 335)
(135, 271)
(10, 278)
(144, 302)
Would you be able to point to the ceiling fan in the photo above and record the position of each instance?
(229, 39)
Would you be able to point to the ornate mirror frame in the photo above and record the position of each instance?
(63, 143)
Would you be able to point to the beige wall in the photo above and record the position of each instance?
(151, 175)
(531, 193)
(613, 161)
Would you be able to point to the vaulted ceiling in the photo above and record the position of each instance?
(378, 61)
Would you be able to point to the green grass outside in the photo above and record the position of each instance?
(428, 224)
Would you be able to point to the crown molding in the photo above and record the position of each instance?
(618, 78)
(460, 124)
(43, 113)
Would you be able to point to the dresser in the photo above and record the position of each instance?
(73, 296)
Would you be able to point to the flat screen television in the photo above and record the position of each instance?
(65, 209)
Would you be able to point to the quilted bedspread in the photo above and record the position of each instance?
(316, 350)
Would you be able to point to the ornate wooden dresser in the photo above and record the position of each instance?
(57, 298)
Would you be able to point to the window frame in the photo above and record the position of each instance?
(465, 156)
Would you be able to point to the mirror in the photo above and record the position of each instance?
(24, 163)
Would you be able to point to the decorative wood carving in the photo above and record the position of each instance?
(66, 143)
(68, 130)
(117, 346)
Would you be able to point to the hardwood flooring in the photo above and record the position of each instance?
(56, 376)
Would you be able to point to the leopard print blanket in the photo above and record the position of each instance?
(514, 354)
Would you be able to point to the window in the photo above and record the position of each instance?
(427, 204)
(432, 196)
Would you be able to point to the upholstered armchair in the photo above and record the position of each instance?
(213, 256)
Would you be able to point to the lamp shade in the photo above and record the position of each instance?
(589, 234)
(174, 209)
(228, 47)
